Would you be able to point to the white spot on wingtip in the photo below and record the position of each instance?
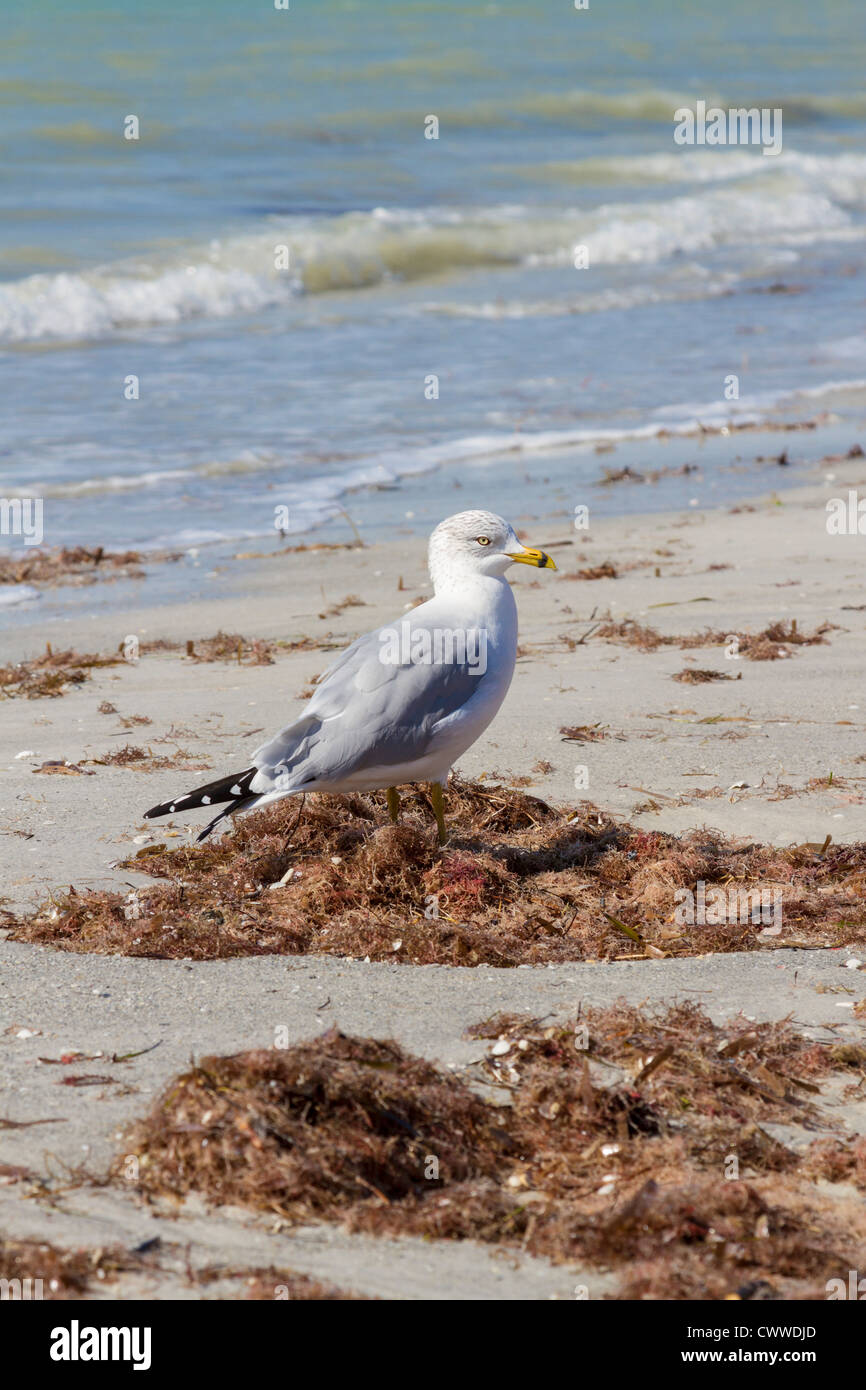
(205, 801)
(235, 791)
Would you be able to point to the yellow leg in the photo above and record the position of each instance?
(393, 804)
(436, 796)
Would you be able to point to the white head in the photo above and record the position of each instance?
(477, 543)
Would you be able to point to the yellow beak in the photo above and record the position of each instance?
(533, 557)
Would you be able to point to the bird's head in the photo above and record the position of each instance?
(478, 543)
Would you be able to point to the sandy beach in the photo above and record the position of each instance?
(751, 755)
(283, 287)
(754, 742)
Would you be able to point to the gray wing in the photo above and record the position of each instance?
(368, 712)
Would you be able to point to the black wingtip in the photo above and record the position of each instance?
(211, 825)
(233, 790)
(240, 805)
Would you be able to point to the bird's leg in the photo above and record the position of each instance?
(393, 804)
(436, 796)
(287, 840)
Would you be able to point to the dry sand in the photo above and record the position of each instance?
(759, 739)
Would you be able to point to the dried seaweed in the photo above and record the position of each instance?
(606, 570)
(74, 565)
(518, 883)
(615, 1146)
(55, 673)
(61, 1274)
(145, 760)
(231, 646)
(701, 675)
(52, 674)
(771, 643)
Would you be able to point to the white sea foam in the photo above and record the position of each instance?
(634, 297)
(96, 303)
(758, 405)
(318, 499)
(797, 206)
(12, 594)
(839, 175)
(853, 346)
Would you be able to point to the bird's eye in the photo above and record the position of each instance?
(483, 540)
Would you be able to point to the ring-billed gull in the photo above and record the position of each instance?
(401, 704)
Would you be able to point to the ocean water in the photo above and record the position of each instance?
(283, 262)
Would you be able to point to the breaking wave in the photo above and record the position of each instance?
(796, 203)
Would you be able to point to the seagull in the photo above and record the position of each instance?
(404, 702)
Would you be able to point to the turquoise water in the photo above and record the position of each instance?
(409, 258)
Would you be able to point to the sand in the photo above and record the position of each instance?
(758, 739)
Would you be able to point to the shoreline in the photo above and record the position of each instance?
(745, 755)
(649, 479)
